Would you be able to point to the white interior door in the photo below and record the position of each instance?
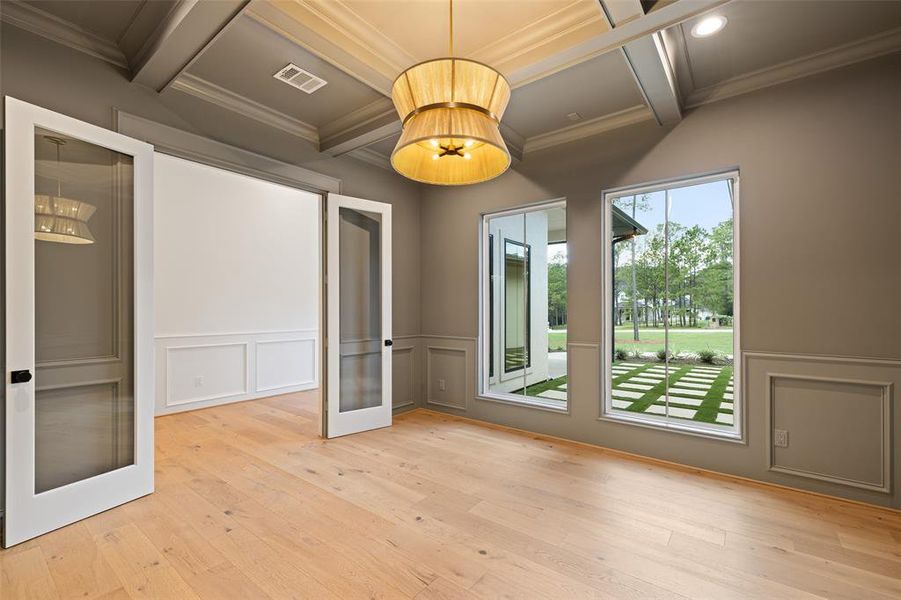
(358, 392)
(79, 320)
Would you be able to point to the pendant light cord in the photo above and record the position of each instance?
(450, 44)
(59, 184)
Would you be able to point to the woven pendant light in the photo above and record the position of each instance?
(451, 110)
(60, 219)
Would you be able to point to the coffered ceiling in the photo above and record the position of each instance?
(577, 67)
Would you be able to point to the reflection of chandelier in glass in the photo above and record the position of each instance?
(451, 110)
(59, 219)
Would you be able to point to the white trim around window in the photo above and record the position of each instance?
(735, 433)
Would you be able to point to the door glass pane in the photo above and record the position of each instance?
(360, 308)
(84, 381)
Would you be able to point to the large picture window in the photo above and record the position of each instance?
(671, 318)
(523, 342)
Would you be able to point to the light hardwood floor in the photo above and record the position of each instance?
(251, 504)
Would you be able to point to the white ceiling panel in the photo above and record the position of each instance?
(244, 59)
(592, 89)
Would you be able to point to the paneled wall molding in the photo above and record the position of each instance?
(199, 370)
(867, 360)
(190, 146)
(170, 392)
(885, 429)
(466, 392)
(583, 345)
(449, 337)
(408, 336)
(832, 58)
(166, 336)
(307, 379)
(205, 90)
(410, 376)
(39, 22)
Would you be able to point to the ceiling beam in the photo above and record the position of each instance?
(649, 63)
(188, 29)
(629, 31)
(359, 128)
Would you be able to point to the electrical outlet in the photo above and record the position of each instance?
(198, 381)
(780, 438)
(442, 385)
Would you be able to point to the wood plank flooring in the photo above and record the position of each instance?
(250, 503)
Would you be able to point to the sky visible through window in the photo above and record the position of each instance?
(705, 205)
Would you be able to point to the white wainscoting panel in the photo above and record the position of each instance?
(205, 372)
(285, 363)
(197, 371)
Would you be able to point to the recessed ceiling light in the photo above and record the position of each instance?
(708, 26)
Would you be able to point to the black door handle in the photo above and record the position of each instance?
(389, 342)
(23, 376)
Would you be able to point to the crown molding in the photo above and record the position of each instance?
(368, 155)
(514, 140)
(205, 90)
(360, 117)
(343, 18)
(53, 28)
(818, 62)
(622, 118)
(503, 53)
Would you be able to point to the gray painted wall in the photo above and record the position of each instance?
(820, 162)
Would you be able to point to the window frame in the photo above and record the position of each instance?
(738, 432)
(486, 317)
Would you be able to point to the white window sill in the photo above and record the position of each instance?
(731, 435)
(555, 406)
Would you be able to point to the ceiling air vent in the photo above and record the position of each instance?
(302, 80)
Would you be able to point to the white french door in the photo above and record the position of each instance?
(358, 391)
(79, 320)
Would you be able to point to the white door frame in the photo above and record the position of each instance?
(336, 422)
(28, 514)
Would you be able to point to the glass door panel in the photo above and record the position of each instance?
(84, 396)
(358, 393)
(359, 257)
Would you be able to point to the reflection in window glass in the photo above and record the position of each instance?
(517, 289)
(524, 341)
(672, 305)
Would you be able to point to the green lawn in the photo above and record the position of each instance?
(556, 341)
(651, 340)
(681, 340)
